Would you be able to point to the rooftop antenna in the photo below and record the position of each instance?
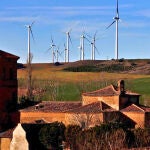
(29, 58)
(116, 19)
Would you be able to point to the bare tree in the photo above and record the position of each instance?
(84, 120)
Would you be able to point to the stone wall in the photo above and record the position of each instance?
(31, 117)
(5, 143)
(138, 117)
(112, 101)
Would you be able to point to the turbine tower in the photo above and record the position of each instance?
(93, 47)
(29, 76)
(82, 46)
(116, 20)
(52, 46)
(68, 45)
(65, 53)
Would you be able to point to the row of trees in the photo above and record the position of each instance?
(56, 136)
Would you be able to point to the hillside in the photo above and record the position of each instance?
(60, 84)
(130, 66)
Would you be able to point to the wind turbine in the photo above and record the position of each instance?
(52, 46)
(93, 47)
(116, 19)
(29, 85)
(65, 53)
(68, 44)
(80, 47)
(82, 37)
(29, 27)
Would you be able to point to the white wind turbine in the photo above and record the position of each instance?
(65, 53)
(82, 50)
(52, 47)
(68, 45)
(29, 27)
(93, 47)
(116, 19)
(29, 85)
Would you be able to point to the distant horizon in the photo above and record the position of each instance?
(53, 18)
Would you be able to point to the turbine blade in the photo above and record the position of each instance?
(70, 39)
(87, 39)
(111, 24)
(95, 34)
(117, 10)
(97, 51)
(32, 23)
(52, 39)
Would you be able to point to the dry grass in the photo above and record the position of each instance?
(51, 72)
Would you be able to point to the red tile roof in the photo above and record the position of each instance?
(145, 108)
(107, 91)
(7, 134)
(133, 108)
(96, 107)
(49, 106)
(7, 55)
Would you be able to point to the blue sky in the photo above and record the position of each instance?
(54, 17)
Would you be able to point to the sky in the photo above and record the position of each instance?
(52, 18)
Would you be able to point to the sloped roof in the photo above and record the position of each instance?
(8, 55)
(95, 107)
(133, 108)
(7, 134)
(107, 91)
(49, 106)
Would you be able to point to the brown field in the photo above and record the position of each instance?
(52, 72)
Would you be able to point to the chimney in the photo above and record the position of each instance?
(121, 86)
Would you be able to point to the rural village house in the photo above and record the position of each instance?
(112, 103)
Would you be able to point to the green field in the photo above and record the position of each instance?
(68, 86)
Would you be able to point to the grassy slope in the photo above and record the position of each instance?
(72, 84)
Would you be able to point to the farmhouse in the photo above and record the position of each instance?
(112, 103)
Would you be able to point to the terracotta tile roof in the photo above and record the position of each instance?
(7, 134)
(96, 107)
(145, 108)
(7, 55)
(49, 106)
(107, 91)
(132, 108)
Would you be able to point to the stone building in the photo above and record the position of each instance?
(8, 89)
(112, 103)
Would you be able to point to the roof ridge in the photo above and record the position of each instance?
(138, 107)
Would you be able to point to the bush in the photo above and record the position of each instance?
(52, 135)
